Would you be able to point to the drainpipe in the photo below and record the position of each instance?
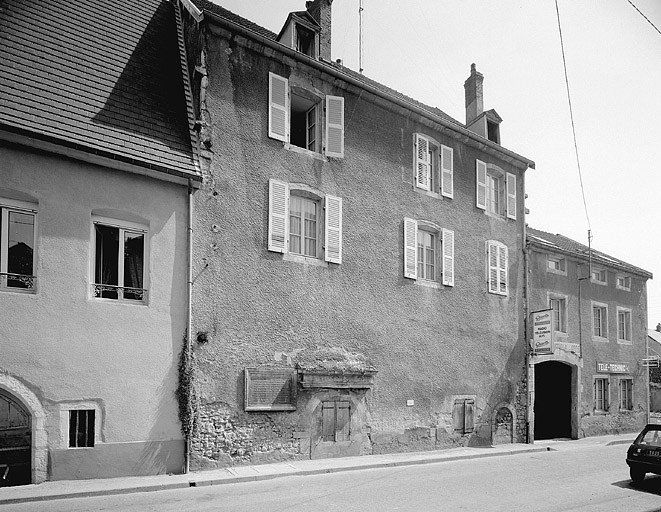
(526, 306)
(189, 304)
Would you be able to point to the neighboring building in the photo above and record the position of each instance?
(594, 382)
(96, 163)
(358, 269)
(653, 360)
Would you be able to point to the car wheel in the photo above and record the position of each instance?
(637, 475)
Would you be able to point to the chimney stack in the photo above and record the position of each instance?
(658, 327)
(320, 10)
(474, 96)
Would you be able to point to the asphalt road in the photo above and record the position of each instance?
(588, 478)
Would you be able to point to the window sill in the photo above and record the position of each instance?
(303, 151)
(429, 284)
(560, 334)
(495, 216)
(23, 291)
(118, 301)
(600, 283)
(306, 260)
(497, 294)
(559, 272)
(600, 413)
(625, 342)
(600, 339)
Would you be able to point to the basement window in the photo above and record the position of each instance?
(81, 428)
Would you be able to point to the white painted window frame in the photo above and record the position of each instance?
(13, 205)
(604, 306)
(627, 312)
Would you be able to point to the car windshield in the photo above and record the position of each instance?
(652, 438)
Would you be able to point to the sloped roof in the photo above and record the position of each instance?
(206, 5)
(103, 78)
(562, 244)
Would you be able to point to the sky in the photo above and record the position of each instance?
(424, 49)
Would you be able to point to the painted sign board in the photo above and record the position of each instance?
(604, 367)
(542, 331)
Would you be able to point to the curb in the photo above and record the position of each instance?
(204, 482)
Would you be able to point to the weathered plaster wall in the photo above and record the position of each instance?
(258, 307)
(579, 340)
(69, 348)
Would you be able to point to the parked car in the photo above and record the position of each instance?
(644, 455)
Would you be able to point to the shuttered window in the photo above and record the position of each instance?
(447, 171)
(463, 415)
(295, 119)
(423, 163)
(601, 394)
(336, 421)
(495, 190)
(626, 394)
(497, 267)
(426, 249)
(429, 156)
(304, 224)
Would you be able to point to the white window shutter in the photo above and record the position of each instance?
(422, 163)
(410, 248)
(447, 171)
(278, 107)
(511, 196)
(448, 257)
(492, 264)
(333, 229)
(334, 126)
(481, 178)
(502, 269)
(278, 213)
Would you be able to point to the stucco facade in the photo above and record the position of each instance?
(65, 349)
(403, 354)
(594, 381)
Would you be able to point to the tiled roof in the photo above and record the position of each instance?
(206, 5)
(562, 244)
(101, 77)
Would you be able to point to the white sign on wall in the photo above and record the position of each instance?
(542, 331)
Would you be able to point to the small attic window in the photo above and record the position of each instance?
(493, 132)
(305, 41)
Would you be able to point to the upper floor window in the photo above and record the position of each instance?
(295, 118)
(17, 244)
(428, 252)
(120, 256)
(599, 320)
(623, 325)
(304, 222)
(598, 276)
(556, 264)
(497, 267)
(623, 282)
(496, 190)
(559, 307)
(434, 166)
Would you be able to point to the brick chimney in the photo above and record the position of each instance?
(658, 327)
(320, 10)
(474, 96)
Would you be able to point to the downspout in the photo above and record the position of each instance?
(526, 306)
(189, 308)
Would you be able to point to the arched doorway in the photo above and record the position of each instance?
(15, 442)
(553, 400)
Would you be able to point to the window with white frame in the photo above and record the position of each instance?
(17, 245)
(559, 307)
(119, 260)
(598, 275)
(434, 166)
(497, 267)
(496, 190)
(626, 394)
(556, 264)
(295, 118)
(599, 320)
(428, 252)
(623, 282)
(601, 394)
(624, 325)
(304, 222)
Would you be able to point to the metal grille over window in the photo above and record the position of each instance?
(81, 428)
(270, 389)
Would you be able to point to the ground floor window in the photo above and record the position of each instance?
(335, 421)
(81, 428)
(626, 394)
(601, 394)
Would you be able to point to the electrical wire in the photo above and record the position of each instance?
(571, 115)
(648, 20)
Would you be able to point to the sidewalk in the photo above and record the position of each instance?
(125, 485)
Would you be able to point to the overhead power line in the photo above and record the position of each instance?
(648, 20)
(571, 115)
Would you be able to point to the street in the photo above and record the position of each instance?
(577, 478)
